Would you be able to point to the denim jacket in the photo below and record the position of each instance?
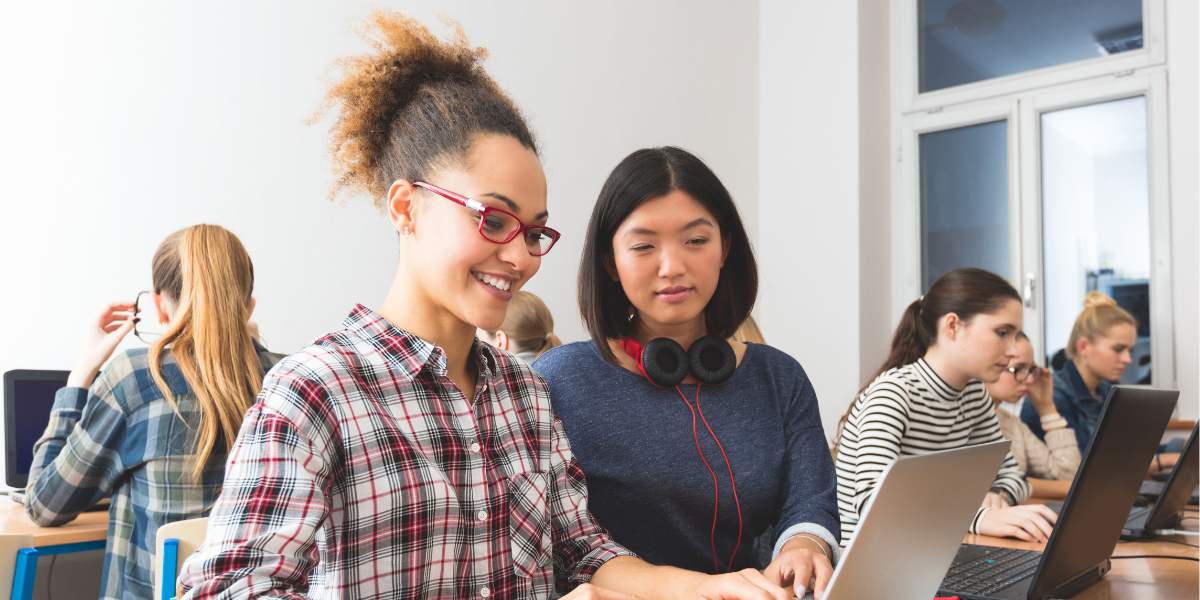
(1074, 402)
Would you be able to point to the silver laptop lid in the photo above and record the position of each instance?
(912, 526)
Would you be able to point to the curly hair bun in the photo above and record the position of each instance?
(1097, 300)
(412, 105)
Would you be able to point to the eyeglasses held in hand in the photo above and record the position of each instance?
(1025, 374)
(143, 329)
(500, 226)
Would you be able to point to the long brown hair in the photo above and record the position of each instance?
(1099, 314)
(966, 292)
(206, 273)
(529, 324)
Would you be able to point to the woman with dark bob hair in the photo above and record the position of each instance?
(681, 475)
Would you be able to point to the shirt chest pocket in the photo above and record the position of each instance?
(529, 523)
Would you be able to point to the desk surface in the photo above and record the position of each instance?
(1136, 578)
(87, 527)
(1133, 579)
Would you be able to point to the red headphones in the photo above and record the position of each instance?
(711, 361)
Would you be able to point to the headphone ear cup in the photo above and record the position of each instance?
(665, 362)
(712, 360)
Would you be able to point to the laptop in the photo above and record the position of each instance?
(1151, 490)
(28, 398)
(1177, 493)
(1094, 513)
(912, 525)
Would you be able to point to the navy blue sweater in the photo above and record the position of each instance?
(646, 482)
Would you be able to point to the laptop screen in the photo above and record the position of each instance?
(1178, 491)
(28, 398)
(1131, 424)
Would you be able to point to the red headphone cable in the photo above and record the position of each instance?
(717, 490)
(632, 348)
(732, 483)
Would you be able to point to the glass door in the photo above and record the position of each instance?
(1096, 220)
(1095, 216)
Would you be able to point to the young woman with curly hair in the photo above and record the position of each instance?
(399, 456)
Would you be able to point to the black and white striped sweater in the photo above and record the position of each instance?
(910, 411)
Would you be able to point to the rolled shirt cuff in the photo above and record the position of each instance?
(974, 528)
(811, 529)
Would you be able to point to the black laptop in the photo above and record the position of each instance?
(1097, 506)
(1176, 494)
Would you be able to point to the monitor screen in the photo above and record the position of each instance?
(33, 403)
(28, 399)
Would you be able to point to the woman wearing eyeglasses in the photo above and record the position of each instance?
(1049, 465)
(151, 432)
(400, 456)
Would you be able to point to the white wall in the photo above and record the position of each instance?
(1183, 95)
(875, 185)
(123, 122)
(809, 195)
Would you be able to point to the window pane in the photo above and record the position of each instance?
(964, 41)
(1096, 218)
(964, 200)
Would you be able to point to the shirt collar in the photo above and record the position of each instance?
(1077, 385)
(944, 390)
(406, 351)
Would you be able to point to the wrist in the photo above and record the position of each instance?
(1004, 495)
(684, 585)
(807, 541)
(82, 378)
(1043, 408)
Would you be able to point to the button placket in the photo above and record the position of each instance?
(477, 490)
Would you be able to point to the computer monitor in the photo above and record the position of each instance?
(28, 398)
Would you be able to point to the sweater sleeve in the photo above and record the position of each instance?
(809, 488)
(1059, 455)
(986, 428)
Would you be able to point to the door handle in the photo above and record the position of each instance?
(1030, 283)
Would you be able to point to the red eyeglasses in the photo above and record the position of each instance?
(501, 226)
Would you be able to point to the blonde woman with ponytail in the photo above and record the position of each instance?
(152, 431)
(527, 331)
(1098, 352)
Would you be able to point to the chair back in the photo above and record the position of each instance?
(173, 544)
(10, 544)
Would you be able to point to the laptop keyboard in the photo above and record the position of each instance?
(1152, 488)
(994, 570)
(1139, 512)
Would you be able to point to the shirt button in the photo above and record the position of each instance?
(482, 517)
(475, 447)
(485, 592)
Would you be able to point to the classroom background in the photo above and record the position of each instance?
(125, 121)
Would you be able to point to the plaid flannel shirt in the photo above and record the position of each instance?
(123, 440)
(363, 472)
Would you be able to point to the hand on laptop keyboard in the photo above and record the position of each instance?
(1029, 522)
